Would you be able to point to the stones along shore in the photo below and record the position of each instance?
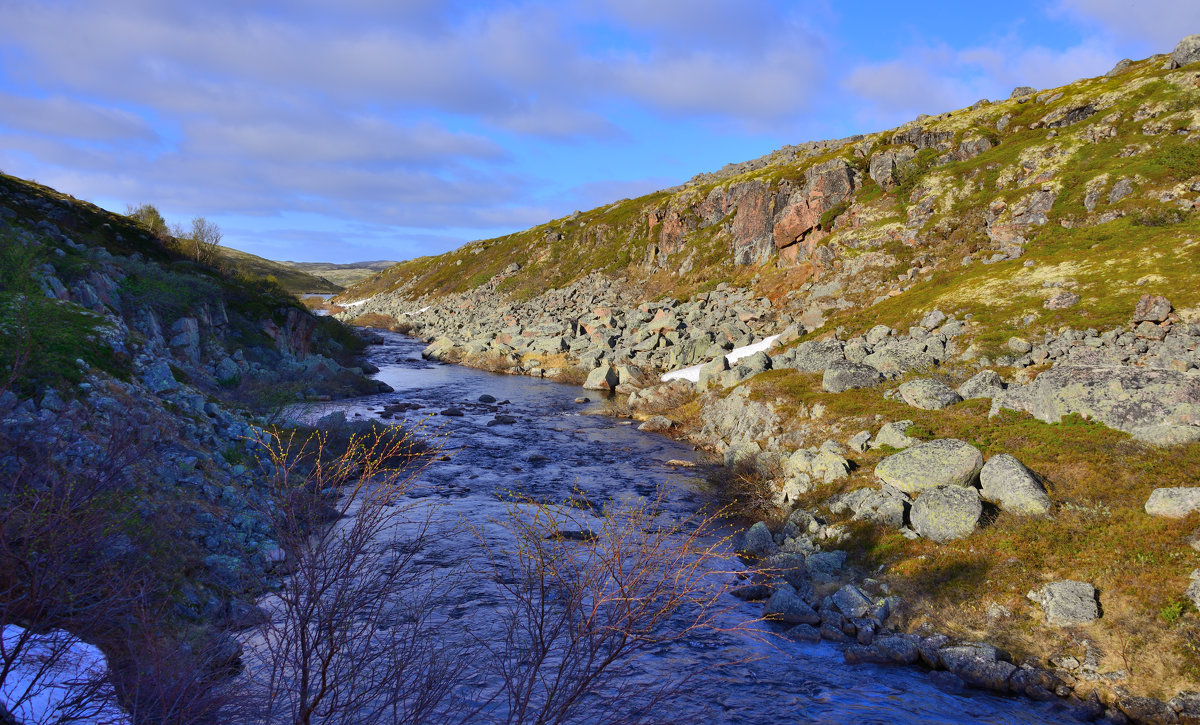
(1141, 379)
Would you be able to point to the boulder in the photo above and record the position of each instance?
(983, 384)
(1155, 405)
(712, 369)
(602, 378)
(928, 394)
(1173, 503)
(1152, 308)
(1067, 603)
(817, 355)
(893, 435)
(1193, 590)
(852, 602)
(1006, 482)
(943, 462)
(842, 376)
(159, 378)
(785, 605)
(1187, 51)
(657, 424)
(946, 513)
(791, 568)
(757, 541)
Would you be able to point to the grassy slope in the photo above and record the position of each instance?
(344, 275)
(296, 281)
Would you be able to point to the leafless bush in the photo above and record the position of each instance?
(353, 636)
(584, 597)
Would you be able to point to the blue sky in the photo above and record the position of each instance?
(388, 129)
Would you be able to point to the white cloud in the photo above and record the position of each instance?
(1153, 26)
(935, 79)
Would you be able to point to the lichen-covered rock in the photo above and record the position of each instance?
(1067, 603)
(1006, 482)
(657, 424)
(842, 376)
(943, 462)
(893, 435)
(1155, 405)
(1173, 503)
(1187, 51)
(947, 513)
(928, 394)
(1152, 308)
(983, 384)
(817, 355)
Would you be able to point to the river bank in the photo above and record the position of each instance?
(763, 411)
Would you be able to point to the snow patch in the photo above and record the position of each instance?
(693, 372)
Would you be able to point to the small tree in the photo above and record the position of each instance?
(149, 217)
(203, 243)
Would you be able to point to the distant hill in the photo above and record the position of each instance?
(342, 274)
(293, 278)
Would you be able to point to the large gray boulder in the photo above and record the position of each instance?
(1006, 482)
(757, 541)
(817, 355)
(602, 378)
(1067, 603)
(983, 384)
(1173, 503)
(713, 369)
(1155, 405)
(943, 462)
(159, 378)
(947, 513)
(1187, 52)
(928, 394)
(842, 376)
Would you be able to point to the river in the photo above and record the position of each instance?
(556, 447)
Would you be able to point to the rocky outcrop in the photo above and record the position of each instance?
(1067, 603)
(1154, 405)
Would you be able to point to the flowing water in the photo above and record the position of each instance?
(554, 448)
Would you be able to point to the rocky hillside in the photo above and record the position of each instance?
(979, 378)
(134, 387)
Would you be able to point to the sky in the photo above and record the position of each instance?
(389, 129)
